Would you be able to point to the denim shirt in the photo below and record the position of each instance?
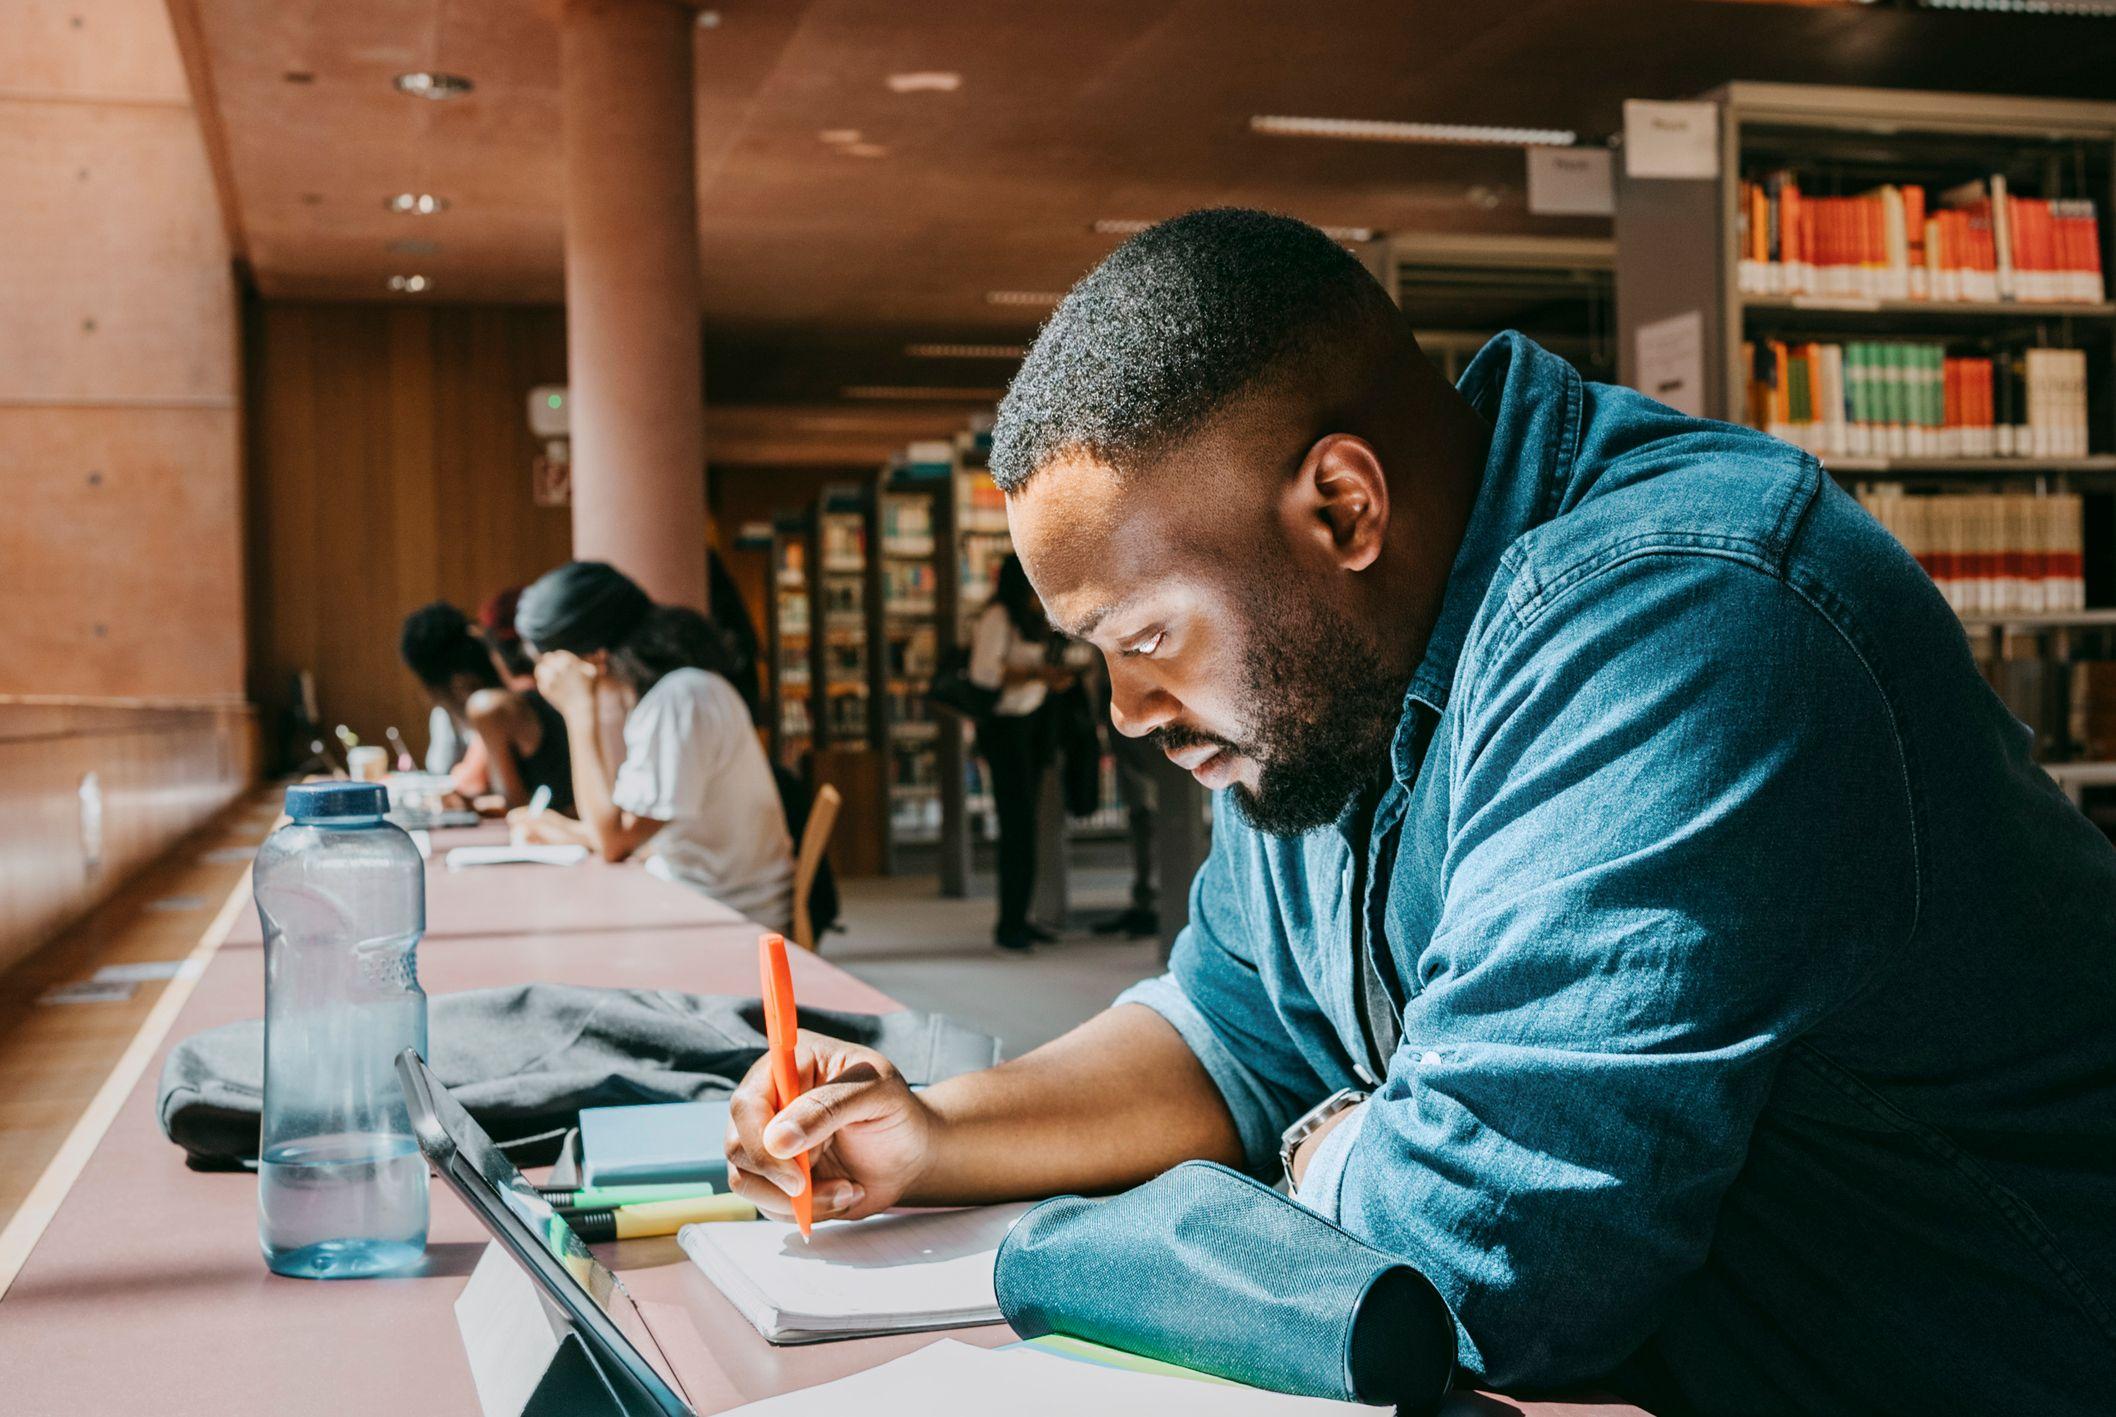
(1758, 1027)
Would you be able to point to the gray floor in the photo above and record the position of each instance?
(930, 953)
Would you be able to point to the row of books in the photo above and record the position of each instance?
(910, 587)
(982, 506)
(907, 525)
(844, 543)
(1880, 398)
(1977, 242)
(1991, 553)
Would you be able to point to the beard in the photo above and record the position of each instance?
(1324, 706)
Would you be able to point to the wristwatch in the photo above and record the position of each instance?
(1310, 1122)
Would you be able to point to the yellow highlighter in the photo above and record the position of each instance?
(631, 1222)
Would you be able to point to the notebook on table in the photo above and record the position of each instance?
(897, 1273)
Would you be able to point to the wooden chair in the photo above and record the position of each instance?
(815, 840)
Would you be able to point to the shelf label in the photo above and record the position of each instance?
(1670, 139)
(1671, 361)
(1570, 182)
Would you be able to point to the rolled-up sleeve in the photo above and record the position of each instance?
(1215, 996)
(1682, 836)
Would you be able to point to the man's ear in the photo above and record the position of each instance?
(1338, 502)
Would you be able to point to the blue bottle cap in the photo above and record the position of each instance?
(336, 801)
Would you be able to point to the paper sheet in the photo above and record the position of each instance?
(568, 854)
(950, 1379)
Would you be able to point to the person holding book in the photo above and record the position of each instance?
(693, 793)
(1627, 905)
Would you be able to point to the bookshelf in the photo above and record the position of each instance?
(1460, 291)
(846, 667)
(917, 591)
(1908, 284)
(790, 658)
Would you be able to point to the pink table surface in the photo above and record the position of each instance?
(147, 1291)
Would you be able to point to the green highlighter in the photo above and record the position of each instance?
(603, 1196)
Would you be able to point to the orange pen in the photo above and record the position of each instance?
(781, 1032)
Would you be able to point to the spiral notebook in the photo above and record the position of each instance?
(895, 1273)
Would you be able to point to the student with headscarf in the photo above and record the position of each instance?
(694, 793)
(515, 742)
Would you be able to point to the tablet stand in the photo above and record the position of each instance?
(525, 1357)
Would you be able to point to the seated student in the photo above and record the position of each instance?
(517, 741)
(496, 628)
(694, 793)
(1627, 902)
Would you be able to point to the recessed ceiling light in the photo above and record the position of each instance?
(864, 150)
(424, 83)
(919, 393)
(410, 285)
(1485, 198)
(418, 203)
(1119, 226)
(1374, 130)
(1023, 297)
(709, 19)
(965, 351)
(839, 136)
(926, 81)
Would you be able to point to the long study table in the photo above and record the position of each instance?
(147, 1292)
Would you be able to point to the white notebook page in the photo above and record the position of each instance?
(884, 1270)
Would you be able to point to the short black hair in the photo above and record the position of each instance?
(437, 644)
(1171, 327)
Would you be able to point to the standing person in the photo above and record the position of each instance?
(1009, 653)
(694, 794)
(1137, 761)
(515, 742)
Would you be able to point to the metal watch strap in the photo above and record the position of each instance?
(1306, 1125)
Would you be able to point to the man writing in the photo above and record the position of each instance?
(1627, 902)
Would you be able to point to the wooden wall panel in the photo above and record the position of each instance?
(120, 548)
(388, 466)
(160, 772)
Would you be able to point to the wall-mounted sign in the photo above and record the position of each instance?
(1570, 182)
(1670, 139)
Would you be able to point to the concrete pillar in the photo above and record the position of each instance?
(632, 298)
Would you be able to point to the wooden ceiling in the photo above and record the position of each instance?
(820, 266)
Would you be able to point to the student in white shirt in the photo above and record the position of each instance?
(1010, 653)
(694, 794)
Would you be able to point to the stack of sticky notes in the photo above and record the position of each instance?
(655, 1143)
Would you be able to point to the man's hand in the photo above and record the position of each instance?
(567, 683)
(869, 1138)
(1305, 1152)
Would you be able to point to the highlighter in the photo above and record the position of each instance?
(781, 1031)
(587, 1196)
(632, 1222)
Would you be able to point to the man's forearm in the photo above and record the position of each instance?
(1115, 1102)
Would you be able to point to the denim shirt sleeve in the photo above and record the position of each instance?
(1667, 861)
(1214, 995)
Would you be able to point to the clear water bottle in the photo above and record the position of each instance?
(341, 1187)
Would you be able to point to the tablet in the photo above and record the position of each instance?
(595, 1300)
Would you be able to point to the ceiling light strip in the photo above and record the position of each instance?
(919, 393)
(965, 351)
(1023, 297)
(1126, 226)
(1377, 130)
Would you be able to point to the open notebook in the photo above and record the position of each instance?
(895, 1273)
